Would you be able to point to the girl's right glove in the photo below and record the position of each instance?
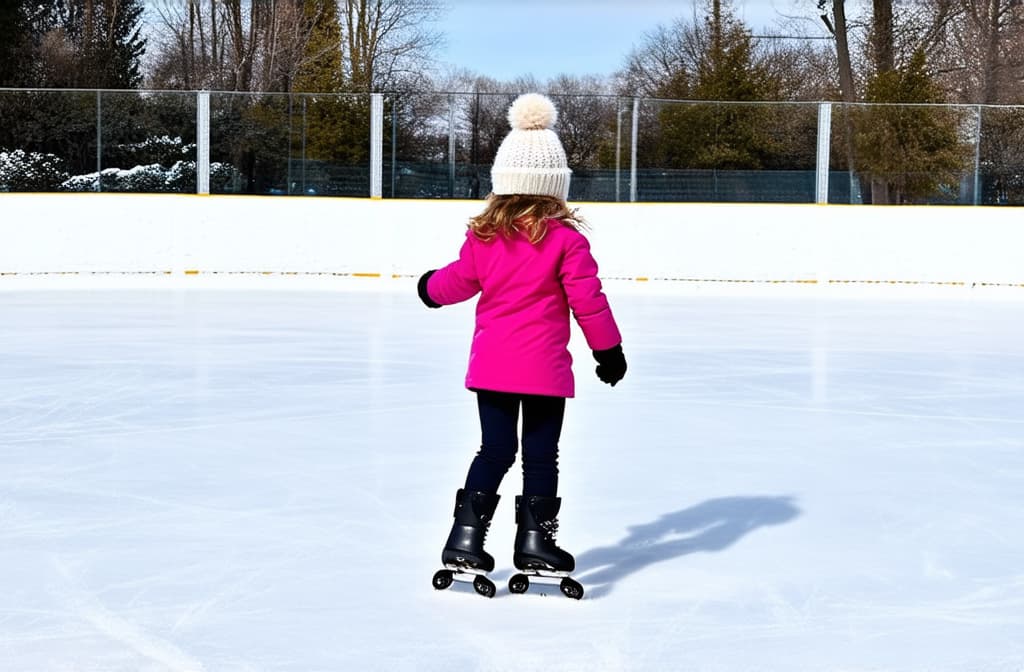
(611, 364)
(421, 289)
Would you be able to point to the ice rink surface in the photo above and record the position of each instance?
(234, 481)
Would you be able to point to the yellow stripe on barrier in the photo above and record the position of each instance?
(945, 283)
(639, 278)
(738, 281)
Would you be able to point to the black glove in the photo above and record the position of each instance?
(422, 289)
(611, 364)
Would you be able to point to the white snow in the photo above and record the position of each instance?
(226, 480)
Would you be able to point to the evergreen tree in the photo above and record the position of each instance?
(721, 135)
(909, 151)
(15, 43)
(89, 43)
(117, 45)
(336, 127)
(320, 69)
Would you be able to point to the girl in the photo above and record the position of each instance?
(525, 256)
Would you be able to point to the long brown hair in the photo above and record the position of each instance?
(527, 213)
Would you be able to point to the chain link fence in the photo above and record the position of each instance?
(441, 145)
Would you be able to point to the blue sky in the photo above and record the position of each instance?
(503, 40)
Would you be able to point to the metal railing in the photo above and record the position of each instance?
(441, 145)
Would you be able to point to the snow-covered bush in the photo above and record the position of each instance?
(163, 149)
(154, 178)
(33, 171)
(143, 179)
(79, 183)
(24, 171)
(224, 178)
(182, 177)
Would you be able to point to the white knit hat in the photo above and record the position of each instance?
(530, 159)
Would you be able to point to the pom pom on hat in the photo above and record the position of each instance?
(531, 159)
(532, 112)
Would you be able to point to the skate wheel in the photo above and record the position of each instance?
(484, 586)
(443, 578)
(518, 583)
(571, 588)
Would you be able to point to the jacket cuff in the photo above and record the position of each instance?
(421, 288)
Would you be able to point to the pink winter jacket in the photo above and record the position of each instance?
(522, 317)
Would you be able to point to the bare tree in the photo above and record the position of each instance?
(387, 43)
(805, 70)
(234, 45)
(283, 38)
(882, 35)
(244, 26)
(586, 117)
(839, 27)
(975, 47)
(192, 39)
(981, 51)
(59, 60)
(667, 62)
(662, 64)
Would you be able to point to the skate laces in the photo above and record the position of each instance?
(487, 528)
(550, 528)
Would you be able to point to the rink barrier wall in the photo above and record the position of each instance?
(131, 240)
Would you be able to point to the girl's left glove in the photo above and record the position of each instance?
(421, 287)
(611, 364)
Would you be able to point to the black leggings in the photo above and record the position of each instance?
(499, 421)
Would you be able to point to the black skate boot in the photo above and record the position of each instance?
(536, 552)
(464, 556)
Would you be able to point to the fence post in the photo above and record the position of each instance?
(376, 145)
(632, 150)
(394, 143)
(305, 127)
(99, 142)
(203, 142)
(451, 146)
(977, 157)
(289, 182)
(618, 146)
(824, 152)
